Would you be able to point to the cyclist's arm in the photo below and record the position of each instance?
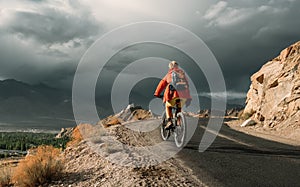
(161, 86)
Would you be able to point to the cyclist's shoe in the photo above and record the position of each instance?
(169, 125)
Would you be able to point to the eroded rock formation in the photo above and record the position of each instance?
(274, 95)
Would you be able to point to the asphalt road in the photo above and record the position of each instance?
(235, 158)
(238, 159)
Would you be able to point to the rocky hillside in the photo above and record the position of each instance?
(274, 96)
(88, 160)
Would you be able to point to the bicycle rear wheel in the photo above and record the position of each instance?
(165, 134)
(180, 131)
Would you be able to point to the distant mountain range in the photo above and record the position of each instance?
(19, 100)
(27, 105)
(35, 106)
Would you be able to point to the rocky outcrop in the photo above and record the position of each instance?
(274, 95)
(65, 132)
(130, 113)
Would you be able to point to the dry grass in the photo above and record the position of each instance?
(76, 137)
(42, 165)
(5, 176)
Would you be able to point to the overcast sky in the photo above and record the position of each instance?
(43, 41)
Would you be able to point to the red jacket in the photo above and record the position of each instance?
(169, 94)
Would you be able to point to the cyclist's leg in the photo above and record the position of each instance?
(179, 104)
(169, 105)
(168, 112)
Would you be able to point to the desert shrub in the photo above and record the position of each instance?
(240, 114)
(76, 137)
(42, 165)
(245, 115)
(5, 177)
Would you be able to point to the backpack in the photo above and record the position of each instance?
(178, 81)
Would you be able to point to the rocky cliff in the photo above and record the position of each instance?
(274, 96)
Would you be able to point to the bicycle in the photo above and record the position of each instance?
(178, 128)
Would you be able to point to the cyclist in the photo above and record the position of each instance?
(173, 96)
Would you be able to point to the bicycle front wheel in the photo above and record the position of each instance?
(165, 134)
(180, 131)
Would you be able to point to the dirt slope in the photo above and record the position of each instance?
(85, 167)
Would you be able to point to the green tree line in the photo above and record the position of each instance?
(23, 141)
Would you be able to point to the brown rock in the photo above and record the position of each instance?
(65, 132)
(111, 121)
(274, 95)
(140, 114)
(131, 113)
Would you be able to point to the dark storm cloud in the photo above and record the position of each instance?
(52, 22)
(244, 36)
(52, 26)
(48, 38)
(22, 62)
(43, 41)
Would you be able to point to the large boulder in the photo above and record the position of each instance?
(274, 95)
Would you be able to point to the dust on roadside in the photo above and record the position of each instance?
(289, 134)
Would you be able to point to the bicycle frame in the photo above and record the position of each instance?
(178, 130)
